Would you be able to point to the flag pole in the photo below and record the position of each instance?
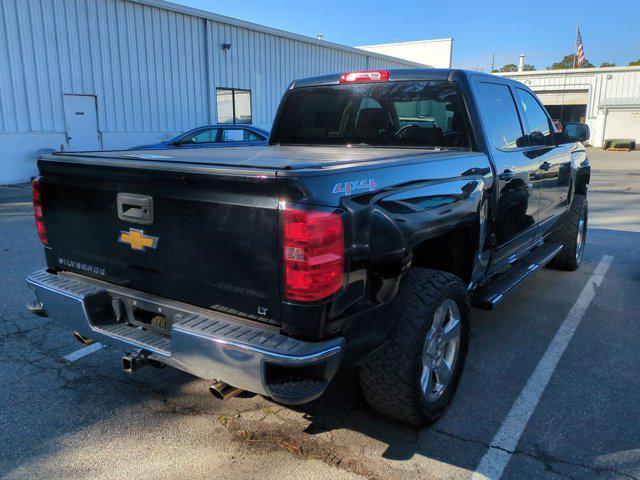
(575, 47)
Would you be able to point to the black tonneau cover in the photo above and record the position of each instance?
(258, 157)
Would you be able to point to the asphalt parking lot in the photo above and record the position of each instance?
(85, 418)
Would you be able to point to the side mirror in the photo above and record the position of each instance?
(536, 138)
(575, 132)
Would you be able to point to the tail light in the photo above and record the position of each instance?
(313, 254)
(365, 76)
(36, 187)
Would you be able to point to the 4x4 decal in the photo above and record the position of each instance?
(349, 187)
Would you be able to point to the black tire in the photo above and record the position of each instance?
(391, 380)
(573, 235)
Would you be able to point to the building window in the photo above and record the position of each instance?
(234, 106)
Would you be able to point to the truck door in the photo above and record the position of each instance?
(516, 213)
(554, 161)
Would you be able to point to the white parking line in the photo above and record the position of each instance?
(83, 352)
(497, 456)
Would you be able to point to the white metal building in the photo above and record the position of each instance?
(607, 99)
(436, 53)
(110, 74)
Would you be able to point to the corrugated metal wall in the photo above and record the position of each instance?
(145, 65)
(266, 64)
(149, 67)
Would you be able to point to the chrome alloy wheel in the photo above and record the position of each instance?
(440, 351)
(582, 231)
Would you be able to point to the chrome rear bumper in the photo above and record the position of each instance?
(205, 343)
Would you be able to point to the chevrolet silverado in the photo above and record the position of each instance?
(386, 204)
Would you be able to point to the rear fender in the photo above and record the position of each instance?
(583, 177)
(448, 215)
(581, 169)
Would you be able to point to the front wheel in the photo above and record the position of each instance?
(413, 377)
(573, 235)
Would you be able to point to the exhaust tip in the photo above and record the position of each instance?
(214, 391)
(224, 391)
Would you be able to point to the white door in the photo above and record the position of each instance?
(81, 119)
(623, 124)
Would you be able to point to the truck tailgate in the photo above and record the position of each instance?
(212, 241)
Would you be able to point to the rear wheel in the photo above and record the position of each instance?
(413, 377)
(573, 235)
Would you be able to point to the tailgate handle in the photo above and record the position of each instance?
(135, 208)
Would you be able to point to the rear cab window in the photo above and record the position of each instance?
(425, 114)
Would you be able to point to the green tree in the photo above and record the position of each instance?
(635, 63)
(509, 67)
(607, 64)
(567, 62)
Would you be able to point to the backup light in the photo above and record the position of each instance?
(365, 76)
(313, 253)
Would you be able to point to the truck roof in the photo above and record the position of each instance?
(401, 74)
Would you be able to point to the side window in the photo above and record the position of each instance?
(203, 136)
(250, 136)
(233, 135)
(505, 129)
(540, 130)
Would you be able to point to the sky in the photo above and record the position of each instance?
(543, 31)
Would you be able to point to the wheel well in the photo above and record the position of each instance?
(453, 252)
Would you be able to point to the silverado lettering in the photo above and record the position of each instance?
(81, 266)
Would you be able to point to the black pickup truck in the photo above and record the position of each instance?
(385, 205)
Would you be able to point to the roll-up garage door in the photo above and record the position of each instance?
(574, 97)
(623, 124)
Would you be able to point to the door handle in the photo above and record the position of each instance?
(545, 166)
(507, 175)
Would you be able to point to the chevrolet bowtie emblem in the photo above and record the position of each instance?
(137, 240)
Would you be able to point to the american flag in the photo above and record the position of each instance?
(580, 49)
